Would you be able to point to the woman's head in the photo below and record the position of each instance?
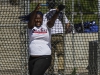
(38, 18)
(26, 18)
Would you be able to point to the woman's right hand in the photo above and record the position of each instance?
(60, 7)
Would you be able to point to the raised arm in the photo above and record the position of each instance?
(31, 22)
(51, 22)
(67, 24)
(68, 28)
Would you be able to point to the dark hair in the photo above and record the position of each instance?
(51, 4)
(26, 18)
(40, 13)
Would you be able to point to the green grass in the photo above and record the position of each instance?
(44, 9)
(76, 19)
(86, 17)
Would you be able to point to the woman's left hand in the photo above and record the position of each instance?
(38, 7)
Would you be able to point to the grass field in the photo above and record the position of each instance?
(87, 16)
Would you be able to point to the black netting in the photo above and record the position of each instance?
(75, 52)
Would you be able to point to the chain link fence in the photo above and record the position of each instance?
(81, 49)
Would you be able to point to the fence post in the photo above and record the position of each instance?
(98, 52)
(64, 38)
(27, 11)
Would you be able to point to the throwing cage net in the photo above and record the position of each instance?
(74, 53)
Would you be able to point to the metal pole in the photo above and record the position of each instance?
(73, 33)
(27, 11)
(81, 14)
(26, 7)
(98, 52)
(64, 40)
(22, 68)
(65, 53)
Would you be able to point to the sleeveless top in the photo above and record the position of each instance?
(40, 40)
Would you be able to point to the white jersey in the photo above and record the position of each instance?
(58, 26)
(39, 40)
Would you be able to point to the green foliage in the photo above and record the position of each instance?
(74, 71)
(88, 7)
(44, 9)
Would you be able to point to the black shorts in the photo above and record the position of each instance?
(38, 65)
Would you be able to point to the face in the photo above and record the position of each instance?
(38, 20)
